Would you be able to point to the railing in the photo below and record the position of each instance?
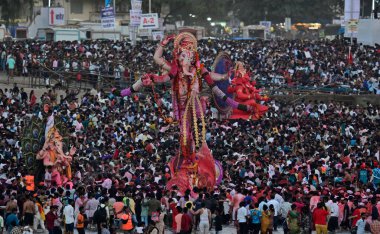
(43, 76)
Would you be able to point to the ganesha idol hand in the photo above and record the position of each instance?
(167, 39)
(72, 151)
(147, 80)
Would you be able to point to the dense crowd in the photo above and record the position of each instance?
(275, 63)
(304, 166)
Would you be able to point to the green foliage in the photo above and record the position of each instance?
(252, 11)
(10, 9)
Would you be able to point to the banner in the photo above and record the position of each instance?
(351, 10)
(144, 32)
(288, 24)
(352, 26)
(135, 17)
(351, 17)
(108, 3)
(56, 16)
(136, 5)
(157, 35)
(267, 25)
(107, 16)
(149, 21)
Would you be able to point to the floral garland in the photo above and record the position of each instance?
(196, 133)
(184, 120)
(202, 119)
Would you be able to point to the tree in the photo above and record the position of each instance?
(12, 10)
(252, 11)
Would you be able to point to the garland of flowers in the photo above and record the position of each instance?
(202, 119)
(184, 120)
(196, 133)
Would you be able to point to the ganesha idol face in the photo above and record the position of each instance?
(186, 59)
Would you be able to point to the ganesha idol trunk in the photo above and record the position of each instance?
(201, 173)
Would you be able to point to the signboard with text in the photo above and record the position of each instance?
(108, 18)
(135, 17)
(267, 25)
(157, 35)
(56, 16)
(149, 21)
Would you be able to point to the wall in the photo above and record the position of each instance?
(369, 31)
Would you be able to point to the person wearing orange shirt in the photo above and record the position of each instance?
(80, 221)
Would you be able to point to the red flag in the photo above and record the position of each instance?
(350, 58)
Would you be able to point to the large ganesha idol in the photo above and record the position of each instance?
(194, 164)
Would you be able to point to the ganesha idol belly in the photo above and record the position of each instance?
(200, 173)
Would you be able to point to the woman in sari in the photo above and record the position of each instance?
(266, 220)
(293, 220)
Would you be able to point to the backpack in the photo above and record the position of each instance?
(100, 215)
(155, 216)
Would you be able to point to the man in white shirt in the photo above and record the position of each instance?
(334, 214)
(241, 217)
(68, 213)
(360, 224)
(276, 206)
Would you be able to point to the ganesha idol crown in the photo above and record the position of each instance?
(185, 41)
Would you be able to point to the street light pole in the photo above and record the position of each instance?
(150, 6)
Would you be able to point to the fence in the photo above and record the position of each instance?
(44, 76)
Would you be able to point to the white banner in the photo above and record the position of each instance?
(351, 17)
(157, 35)
(149, 21)
(56, 16)
(135, 17)
(108, 18)
(144, 32)
(288, 24)
(108, 23)
(136, 5)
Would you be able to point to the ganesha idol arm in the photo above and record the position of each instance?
(219, 93)
(158, 58)
(219, 77)
(147, 80)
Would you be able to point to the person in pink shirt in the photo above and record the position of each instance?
(236, 199)
(81, 201)
(314, 201)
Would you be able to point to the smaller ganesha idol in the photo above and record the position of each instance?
(52, 156)
(245, 92)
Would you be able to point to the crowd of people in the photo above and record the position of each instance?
(277, 63)
(304, 166)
